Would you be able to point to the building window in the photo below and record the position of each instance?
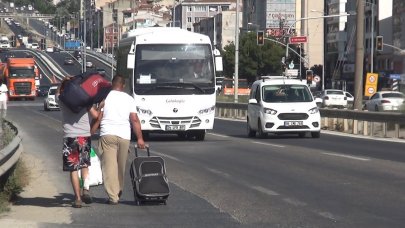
(224, 8)
(200, 8)
(189, 19)
(189, 9)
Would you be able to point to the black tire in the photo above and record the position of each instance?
(46, 108)
(376, 108)
(200, 135)
(260, 130)
(182, 135)
(316, 134)
(250, 133)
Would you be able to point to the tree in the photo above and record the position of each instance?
(254, 60)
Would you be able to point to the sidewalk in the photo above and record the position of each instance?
(37, 204)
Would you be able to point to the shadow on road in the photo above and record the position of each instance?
(62, 200)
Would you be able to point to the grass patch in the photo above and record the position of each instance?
(13, 182)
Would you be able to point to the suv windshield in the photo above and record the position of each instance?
(286, 93)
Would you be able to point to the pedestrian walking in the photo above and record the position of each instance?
(3, 98)
(115, 119)
(76, 147)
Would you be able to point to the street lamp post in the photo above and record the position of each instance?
(236, 76)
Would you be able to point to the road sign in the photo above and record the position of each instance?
(317, 78)
(291, 65)
(298, 39)
(291, 72)
(395, 76)
(371, 84)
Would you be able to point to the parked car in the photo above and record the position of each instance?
(68, 61)
(333, 98)
(385, 101)
(50, 99)
(77, 54)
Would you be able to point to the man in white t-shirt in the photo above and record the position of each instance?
(3, 98)
(115, 120)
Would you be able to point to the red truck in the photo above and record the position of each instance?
(20, 75)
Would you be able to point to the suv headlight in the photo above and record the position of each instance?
(269, 111)
(313, 110)
(143, 111)
(206, 110)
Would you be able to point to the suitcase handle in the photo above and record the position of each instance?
(146, 148)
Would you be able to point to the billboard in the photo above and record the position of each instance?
(280, 14)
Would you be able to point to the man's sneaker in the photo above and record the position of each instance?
(86, 197)
(77, 204)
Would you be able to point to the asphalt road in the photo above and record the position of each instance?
(230, 180)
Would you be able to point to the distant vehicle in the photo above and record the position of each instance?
(89, 64)
(21, 74)
(282, 105)
(77, 54)
(50, 99)
(334, 98)
(385, 101)
(350, 99)
(17, 23)
(35, 46)
(49, 49)
(68, 61)
(218, 84)
(100, 71)
(43, 90)
(4, 45)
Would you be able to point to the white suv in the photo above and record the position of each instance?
(282, 105)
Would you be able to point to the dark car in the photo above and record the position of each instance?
(43, 90)
(68, 61)
(77, 54)
(100, 71)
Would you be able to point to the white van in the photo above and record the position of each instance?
(281, 105)
(34, 46)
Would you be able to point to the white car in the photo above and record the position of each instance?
(34, 46)
(385, 101)
(50, 99)
(333, 98)
(350, 99)
(49, 49)
(281, 105)
(89, 64)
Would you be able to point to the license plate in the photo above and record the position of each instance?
(292, 123)
(175, 127)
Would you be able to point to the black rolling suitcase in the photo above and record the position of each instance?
(149, 180)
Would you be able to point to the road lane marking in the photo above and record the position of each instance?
(268, 144)
(223, 174)
(347, 156)
(168, 156)
(294, 202)
(219, 135)
(327, 215)
(265, 190)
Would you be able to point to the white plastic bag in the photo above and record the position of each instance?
(95, 173)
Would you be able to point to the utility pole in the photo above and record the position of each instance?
(236, 76)
(358, 73)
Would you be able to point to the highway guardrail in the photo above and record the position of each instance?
(10, 154)
(376, 124)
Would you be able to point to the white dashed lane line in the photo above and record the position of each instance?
(347, 156)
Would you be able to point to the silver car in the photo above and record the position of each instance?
(385, 101)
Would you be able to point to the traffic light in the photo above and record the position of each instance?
(379, 43)
(310, 76)
(260, 38)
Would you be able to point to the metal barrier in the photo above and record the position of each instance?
(10, 154)
(375, 124)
